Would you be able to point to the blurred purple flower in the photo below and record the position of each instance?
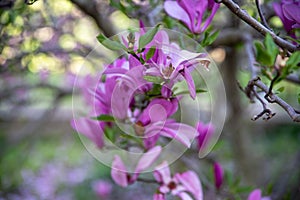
(205, 134)
(289, 13)
(90, 128)
(181, 184)
(192, 12)
(256, 195)
(102, 188)
(44, 75)
(119, 171)
(218, 175)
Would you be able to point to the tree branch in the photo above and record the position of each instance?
(90, 9)
(234, 8)
(251, 92)
(261, 15)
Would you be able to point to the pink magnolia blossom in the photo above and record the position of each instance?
(192, 12)
(288, 12)
(256, 195)
(173, 65)
(218, 175)
(182, 185)
(153, 122)
(205, 134)
(90, 128)
(120, 174)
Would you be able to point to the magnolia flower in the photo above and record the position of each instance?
(91, 129)
(120, 174)
(182, 185)
(153, 122)
(288, 12)
(172, 64)
(218, 175)
(256, 195)
(205, 134)
(192, 12)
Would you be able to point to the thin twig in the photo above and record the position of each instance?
(261, 15)
(242, 14)
(250, 91)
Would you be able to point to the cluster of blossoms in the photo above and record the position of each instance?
(136, 96)
(135, 99)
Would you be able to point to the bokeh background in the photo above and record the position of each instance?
(44, 45)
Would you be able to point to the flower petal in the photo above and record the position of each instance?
(181, 132)
(119, 172)
(89, 128)
(190, 82)
(162, 173)
(218, 175)
(192, 183)
(255, 195)
(147, 159)
(176, 11)
(159, 196)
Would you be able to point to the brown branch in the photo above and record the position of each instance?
(90, 8)
(261, 15)
(251, 92)
(242, 14)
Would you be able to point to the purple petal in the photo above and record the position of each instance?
(176, 11)
(286, 22)
(148, 158)
(102, 188)
(205, 134)
(166, 92)
(210, 18)
(119, 172)
(159, 196)
(158, 110)
(181, 132)
(150, 142)
(190, 82)
(255, 195)
(291, 12)
(162, 173)
(192, 183)
(218, 175)
(90, 128)
(184, 196)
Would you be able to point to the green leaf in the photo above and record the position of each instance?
(154, 79)
(188, 92)
(291, 64)
(294, 60)
(271, 47)
(281, 89)
(262, 56)
(110, 44)
(148, 37)
(150, 53)
(299, 98)
(110, 134)
(105, 118)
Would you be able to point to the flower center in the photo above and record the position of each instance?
(168, 71)
(172, 185)
(139, 128)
